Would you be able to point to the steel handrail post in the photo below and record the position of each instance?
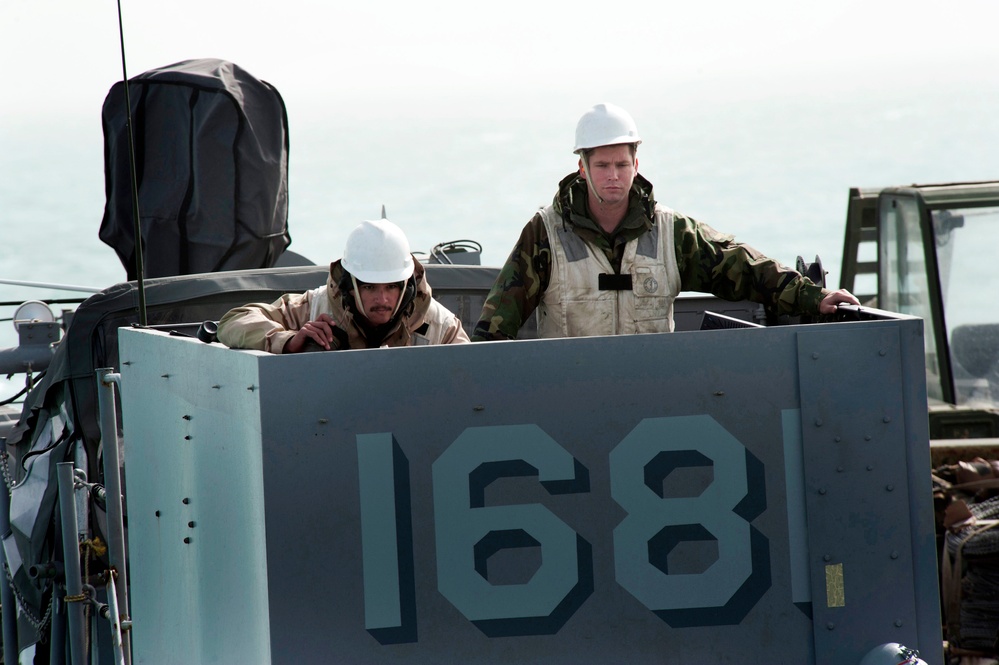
(106, 378)
(71, 552)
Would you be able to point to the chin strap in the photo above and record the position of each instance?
(358, 300)
(408, 294)
(585, 157)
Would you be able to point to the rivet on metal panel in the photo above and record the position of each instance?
(818, 422)
(890, 488)
(867, 437)
(815, 356)
(886, 419)
(323, 421)
(187, 540)
(838, 439)
(870, 467)
(185, 501)
(894, 555)
(839, 469)
(898, 623)
(882, 352)
(822, 490)
(478, 407)
(187, 438)
(831, 626)
(719, 393)
(216, 387)
(190, 524)
(826, 557)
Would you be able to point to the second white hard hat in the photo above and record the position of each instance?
(605, 124)
(377, 252)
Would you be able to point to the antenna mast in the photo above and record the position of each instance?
(131, 168)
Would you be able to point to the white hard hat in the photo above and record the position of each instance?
(605, 124)
(892, 653)
(377, 252)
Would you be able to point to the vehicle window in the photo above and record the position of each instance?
(906, 290)
(962, 239)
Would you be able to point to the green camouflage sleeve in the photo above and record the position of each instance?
(713, 262)
(519, 285)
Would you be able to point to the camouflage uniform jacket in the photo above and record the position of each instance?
(269, 327)
(709, 262)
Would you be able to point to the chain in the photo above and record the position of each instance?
(7, 480)
(38, 624)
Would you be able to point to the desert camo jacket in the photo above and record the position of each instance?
(268, 327)
(709, 262)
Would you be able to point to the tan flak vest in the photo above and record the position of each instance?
(574, 305)
(437, 319)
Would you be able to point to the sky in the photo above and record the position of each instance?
(439, 53)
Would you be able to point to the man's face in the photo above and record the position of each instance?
(612, 171)
(379, 301)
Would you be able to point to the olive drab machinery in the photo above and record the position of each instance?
(921, 250)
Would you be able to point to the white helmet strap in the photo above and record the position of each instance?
(398, 302)
(358, 300)
(584, 156)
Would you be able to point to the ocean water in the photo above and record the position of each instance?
(774, 170)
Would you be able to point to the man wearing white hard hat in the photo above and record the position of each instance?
(376, 295)
(605, 258)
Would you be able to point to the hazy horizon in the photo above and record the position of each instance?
(66, 53)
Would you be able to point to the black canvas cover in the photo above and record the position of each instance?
(211, 153)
